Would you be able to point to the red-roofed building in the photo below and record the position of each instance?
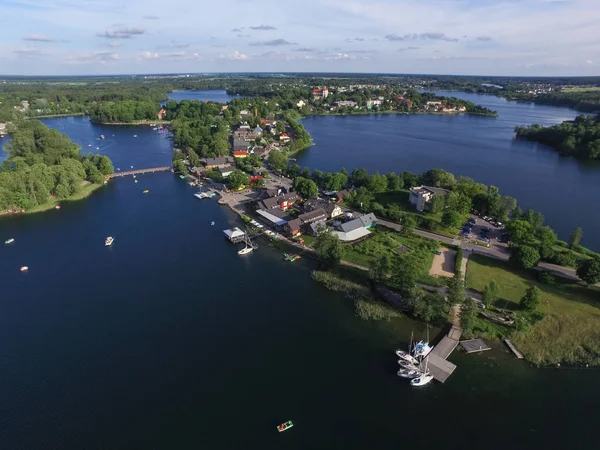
(162, 113)
(255, 178)
(284, 137)
(240, 153)
(320, 94)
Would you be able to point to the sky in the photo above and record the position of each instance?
(468, 37)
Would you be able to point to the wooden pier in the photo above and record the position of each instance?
(513, 349)
(139, 171)
(437, 363)
(474, 346)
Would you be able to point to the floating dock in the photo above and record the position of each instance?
(475, 345)
(513, 349)
(437, 363)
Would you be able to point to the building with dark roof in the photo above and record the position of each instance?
(313, 216)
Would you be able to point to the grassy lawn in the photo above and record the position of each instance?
(570, 329)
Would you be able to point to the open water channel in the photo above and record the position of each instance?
(169, 339)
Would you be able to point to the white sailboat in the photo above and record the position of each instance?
(408, 373)
(248, 248)
(424, 378)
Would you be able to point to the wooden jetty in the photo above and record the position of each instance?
(475, 345)
(437, 363)
(136, 171)
(513, 349)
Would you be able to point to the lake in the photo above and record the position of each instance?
(220, 96)
(482, 148)
(169, 339)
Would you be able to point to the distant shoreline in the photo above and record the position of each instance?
(136, 122)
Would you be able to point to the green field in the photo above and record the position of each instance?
(570, 329)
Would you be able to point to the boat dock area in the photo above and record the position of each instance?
(513, 349)
(235, 235)
(437, 363)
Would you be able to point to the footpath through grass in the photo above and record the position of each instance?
(570, 329)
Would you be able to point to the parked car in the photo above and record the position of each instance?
(437, 252)
(480, 305)
(486, 229)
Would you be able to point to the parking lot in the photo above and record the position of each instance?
(482, 230)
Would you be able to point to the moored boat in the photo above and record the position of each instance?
(109, 241)
(245, 251)
(421, 380)
(9, 241)
(57, 207)
(285, 426)
(146, 191)
(24, 269)
(408, 373)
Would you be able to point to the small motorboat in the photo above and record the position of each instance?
(118, 168)
(407, 365)
(131, 167)
(24, 269)
(109, 241)
(9, 241)
(212, 224)
(285, 426)
(182, 177)
(295, 258)
(408, 373)
(407, 357)
(146, 191)
(135, 181)
(101, 136)
(89, 145)
(135, 135)
(422, 380)
(97, 148)
(57, 207)
(134, 176)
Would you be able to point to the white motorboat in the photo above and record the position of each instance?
(422, 380)
(407, 357)
(109, 241)
(408, 373)
(407, 365)
(24, 269)
(200, 195)
(135, 135)
(9, 241)
(212, 223)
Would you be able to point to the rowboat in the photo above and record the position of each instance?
(285, 426)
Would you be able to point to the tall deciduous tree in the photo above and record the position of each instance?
(531, 299)
(306, 188)
(525, 256)
(491, 293)
(575, 238)
(328, 247)
(589, 270)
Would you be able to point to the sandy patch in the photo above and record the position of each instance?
(443, 265)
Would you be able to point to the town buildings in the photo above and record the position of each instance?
(421, 195)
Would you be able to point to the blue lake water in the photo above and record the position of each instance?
(212, 95)
(169, 339)
(482, 148)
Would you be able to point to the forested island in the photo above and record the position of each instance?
(579, 138)
(45, 165)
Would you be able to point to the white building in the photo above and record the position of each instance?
(421, 195)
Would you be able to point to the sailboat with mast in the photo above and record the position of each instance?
(249, 246)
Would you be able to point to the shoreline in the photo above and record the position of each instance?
(417, 113)
(135, 123)
(84, 193)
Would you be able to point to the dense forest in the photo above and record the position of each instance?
(124, 111)
(43, 163)
(579, 137)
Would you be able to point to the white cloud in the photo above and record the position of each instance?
(263, 28)
(272, 43)
(38, 38)
(102, 57)
(235, 56)
(114, 44)
(122, 33)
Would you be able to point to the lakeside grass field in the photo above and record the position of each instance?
(570, 330)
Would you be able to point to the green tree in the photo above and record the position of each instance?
(525, 256)
(467, 315)
(393, 182)
(491, 293)
(328, 247)
(531, 299)
(335, 181)
(429, 307)
(359, 177)
(237, 179)
(436, 204)
(456, 289)
(380, 268)
(589, 270)
(377, 183)
(409, 223)
(194, 158)
(575, 238)
(451, 219)
(278, 160)
(547, 237)
(179, 166)
(306, 188)
(519, 230)
(405, 273)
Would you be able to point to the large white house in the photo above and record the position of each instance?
(421, 195)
